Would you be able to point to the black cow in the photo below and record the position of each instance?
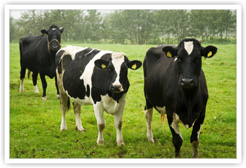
(91, 76)
(175, 84)
(37, 53)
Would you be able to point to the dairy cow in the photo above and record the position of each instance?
(175, 84)
(37, 54)
(91, 76)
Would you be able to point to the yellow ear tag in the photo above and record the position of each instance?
(45, 34)
(103, 66)
(134, 66)
(169, 54)
(210, 54)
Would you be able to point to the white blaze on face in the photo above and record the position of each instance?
(188, 46)
(117, 60)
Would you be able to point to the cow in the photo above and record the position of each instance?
(37, 54)
(94, 77)
(175, 85)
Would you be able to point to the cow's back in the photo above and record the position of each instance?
(76, 65)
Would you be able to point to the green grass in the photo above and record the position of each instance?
(34, 123)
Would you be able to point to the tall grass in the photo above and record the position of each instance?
(34, 123)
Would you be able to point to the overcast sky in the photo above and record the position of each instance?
(16, 14)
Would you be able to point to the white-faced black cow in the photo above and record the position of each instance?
(91, 76)
(175, 84)
(37, 53)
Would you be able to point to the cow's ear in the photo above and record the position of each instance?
(209, 51)
(170, 51)
(135, 64)
(102, 64)
(44, 32)
(61, 29)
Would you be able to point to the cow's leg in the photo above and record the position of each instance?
(77, 109)
(34, 80)
(118, 123)
(58, 95)
(64, 105)
(98, 108)
(149, 116)
(177, 138)
(194, 139)
(22, 76)
(44, 84)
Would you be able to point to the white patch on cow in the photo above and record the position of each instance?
(162, 110)
(175, 59)
(188, 45)
(110, 105)
(175, 124)
(148, 117)
(53, 29)
(35, 89)
(72, 50)
(117, 60)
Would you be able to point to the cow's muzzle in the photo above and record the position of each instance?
(54, 44)
(117, 88)
(187, 83)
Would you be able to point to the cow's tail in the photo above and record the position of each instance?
(28, 74)
(163, 118)
(68, 103)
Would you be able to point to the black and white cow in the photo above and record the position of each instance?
(91, 76)
(37, 53)
(175, 84)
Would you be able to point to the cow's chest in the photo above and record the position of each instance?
(110, 105)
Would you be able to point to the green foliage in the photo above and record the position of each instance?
(130, 26)
(34, 123)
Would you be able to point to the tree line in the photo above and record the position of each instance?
(129, 26)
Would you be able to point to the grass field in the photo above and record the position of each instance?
(35, 124)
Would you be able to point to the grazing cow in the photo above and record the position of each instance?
(175, 84)
(91, 76)
(37, 53)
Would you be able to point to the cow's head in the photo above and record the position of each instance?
(188, 56)
(115, 71)
(54, 37)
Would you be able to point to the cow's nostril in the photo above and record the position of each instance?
(187, 82)
(116, 88)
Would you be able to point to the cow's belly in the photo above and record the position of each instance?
(85, 101)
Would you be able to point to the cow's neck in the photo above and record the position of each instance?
(189, 98)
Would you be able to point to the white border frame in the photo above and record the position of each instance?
(237, 160)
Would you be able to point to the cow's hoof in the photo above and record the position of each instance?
(195, 155)
(58, 96)
(100, 143)
(80, 129)
(21, 90)
(44, 98)
(121, 143)
(63, 129)
(151, 140)
(177, 155)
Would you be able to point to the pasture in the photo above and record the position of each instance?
(35, 124)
